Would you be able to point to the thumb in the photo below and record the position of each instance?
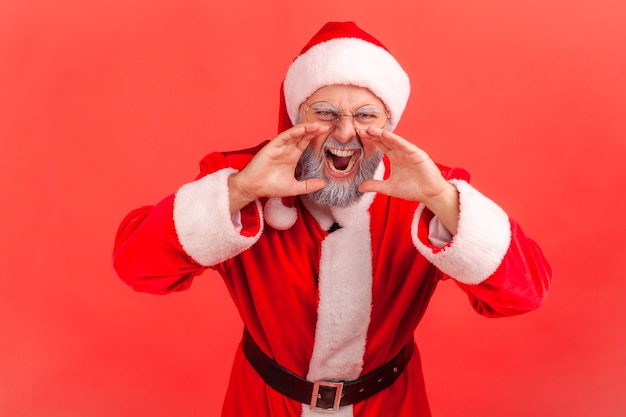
(312, 185)
(372, 186)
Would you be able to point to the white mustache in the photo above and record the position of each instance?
(335, 144)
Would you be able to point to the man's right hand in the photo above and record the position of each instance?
(271, 172)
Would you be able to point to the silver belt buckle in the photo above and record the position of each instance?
(316, 395)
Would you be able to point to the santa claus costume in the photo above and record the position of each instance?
(329, 296)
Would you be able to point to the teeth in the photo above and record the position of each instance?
(341, 153)
(344, 153)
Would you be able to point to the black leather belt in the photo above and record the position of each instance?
(324, 395)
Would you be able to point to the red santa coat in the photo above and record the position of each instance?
(329, 305)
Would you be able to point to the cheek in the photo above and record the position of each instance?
(316, 145)
(369, 149)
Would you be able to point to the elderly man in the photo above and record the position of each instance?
(331, 239)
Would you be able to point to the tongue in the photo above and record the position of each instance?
(341, 162)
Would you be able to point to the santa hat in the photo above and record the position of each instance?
(342, 53)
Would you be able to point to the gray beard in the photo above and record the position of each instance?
(336, 193)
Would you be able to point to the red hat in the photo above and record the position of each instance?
(342, 53)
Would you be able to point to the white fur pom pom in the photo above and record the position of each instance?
(278, 215)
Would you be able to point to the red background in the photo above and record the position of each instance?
(107, 106)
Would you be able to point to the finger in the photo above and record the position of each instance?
(315, 131)
(306, 129)
(374, 186)
(314, 127)
(312, 185)
(375, 140)
(387, 138)
(389, 141)
(297, 137)
(370, 132)
(301, 135)
(322, 133)
(381, 137)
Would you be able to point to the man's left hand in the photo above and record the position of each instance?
(414, 176)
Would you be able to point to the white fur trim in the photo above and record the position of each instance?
(278, 215)
(481, 242)
(321, 214)
(203, 221)
(345, 292)
(347, 61)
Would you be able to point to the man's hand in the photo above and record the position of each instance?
(271, 172)
(414, 176)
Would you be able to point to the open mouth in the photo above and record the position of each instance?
(342, 161)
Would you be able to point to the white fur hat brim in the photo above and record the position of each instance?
(349, 61)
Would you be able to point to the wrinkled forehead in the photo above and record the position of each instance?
(345, 96)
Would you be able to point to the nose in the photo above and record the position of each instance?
(344, 130)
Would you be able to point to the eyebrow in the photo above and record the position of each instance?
(323, 104)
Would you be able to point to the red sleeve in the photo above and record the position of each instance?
(520, 284)
(502, 271)
(147, 253)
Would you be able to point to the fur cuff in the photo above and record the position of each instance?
(482, 240)
(203, 222)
